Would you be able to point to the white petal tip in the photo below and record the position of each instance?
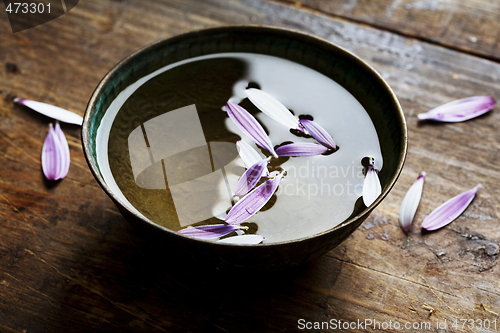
(242, 240)
(272, 107)
(371, 186)
(422, 116)
(368, 201)
(52, 111)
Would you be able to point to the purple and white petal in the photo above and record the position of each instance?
(371, 185)
(253, 201)
(460, 110)
(52, 111)
(410, 203)
(272, 107)
(209, 231)
(55, 156)
(250, 126)
(301, 149)
(319, 133)
(450, 210)
(65, 158)
(243, 239)
(251, 177)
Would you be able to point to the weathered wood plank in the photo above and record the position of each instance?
(69, 262)
(469, 25)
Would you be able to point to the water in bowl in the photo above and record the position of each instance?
(167, 149)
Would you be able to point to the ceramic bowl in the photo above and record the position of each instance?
(355, 75)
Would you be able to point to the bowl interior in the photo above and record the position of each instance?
(349, 71)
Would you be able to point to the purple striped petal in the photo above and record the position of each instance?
(55, 154)
(319, 133)
(450, 210)
(209, 231)
(243, 239)
(410, 203)
(272, 107)
(250, 178)
(52, 111)
(460, 110)
(301, 149)
(253, 201)
(250, 126)
(371, 185)
(64, 151)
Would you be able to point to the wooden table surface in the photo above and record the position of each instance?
(70, 263)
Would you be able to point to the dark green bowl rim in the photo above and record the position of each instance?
(249, 28)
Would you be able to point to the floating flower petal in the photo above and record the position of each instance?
(272, 107)
(251, 177)
(450, 210)
(460, 110)
(319, 133)
(249, 155)
(371, 185)
(301, 149)
(209, 231)
(52, 111)
(250, 126)
(243, 239)
(253, 201)
(55, 154)
(410, 203)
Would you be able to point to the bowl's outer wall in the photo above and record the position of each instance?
(349, 71)
(192, 252)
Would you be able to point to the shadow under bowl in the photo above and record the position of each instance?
(352, 73)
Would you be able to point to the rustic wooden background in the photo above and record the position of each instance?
(70, 263)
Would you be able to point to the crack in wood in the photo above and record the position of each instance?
(439, 298)
(393, 276)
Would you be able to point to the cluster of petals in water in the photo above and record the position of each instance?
(254, 195)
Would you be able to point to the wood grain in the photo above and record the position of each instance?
(70, 263)
(469, 26)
